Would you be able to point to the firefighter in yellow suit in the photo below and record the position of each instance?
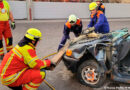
(5, 31)
(21, 69)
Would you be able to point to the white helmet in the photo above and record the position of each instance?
(72, 18)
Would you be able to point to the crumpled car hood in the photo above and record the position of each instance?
(81, 46)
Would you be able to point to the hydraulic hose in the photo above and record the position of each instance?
(49, 55)
(49, 85)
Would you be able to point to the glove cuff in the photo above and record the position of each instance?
(93, 28)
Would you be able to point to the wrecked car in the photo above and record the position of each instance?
(93, 59)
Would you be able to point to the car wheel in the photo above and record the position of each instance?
(89, 74)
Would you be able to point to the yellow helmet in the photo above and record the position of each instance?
(93, 6)
(72, 18)
(33, 34)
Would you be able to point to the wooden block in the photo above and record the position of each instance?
(79, 38)
(58, 57)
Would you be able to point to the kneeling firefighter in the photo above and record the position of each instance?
(21, 69)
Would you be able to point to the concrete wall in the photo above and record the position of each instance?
(19, 9)
(50, 10)
(57, 10)
(115, 10)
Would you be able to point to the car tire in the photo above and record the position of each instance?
(90, 74)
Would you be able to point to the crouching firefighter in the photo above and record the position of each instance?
(74, 25)
(21, 69)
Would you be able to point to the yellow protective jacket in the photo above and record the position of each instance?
(17, 61)
(4, 11)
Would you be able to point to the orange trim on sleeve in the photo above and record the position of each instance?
(98, 13)
(68, 24)
(92, 15)
(78, 22)
(102, 6)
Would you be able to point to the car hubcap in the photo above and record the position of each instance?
(90, 75)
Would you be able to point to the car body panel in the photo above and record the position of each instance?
(108, 46)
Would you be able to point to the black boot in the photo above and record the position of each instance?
(16, 88)
(1, 57)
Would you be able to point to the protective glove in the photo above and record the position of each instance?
(13, 25)
(86, 31)
(91, 29)
(51, 66)
(93, 35)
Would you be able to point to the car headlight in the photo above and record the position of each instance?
(68, 52)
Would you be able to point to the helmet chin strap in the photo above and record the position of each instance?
(35, 42)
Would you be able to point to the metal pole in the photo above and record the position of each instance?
(29, 9)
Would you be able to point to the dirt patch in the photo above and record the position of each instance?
(66, 74)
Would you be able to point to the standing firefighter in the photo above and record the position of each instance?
(98, 20)
(101, 7)
(74, 25)
(21, 69)
(5, 31)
